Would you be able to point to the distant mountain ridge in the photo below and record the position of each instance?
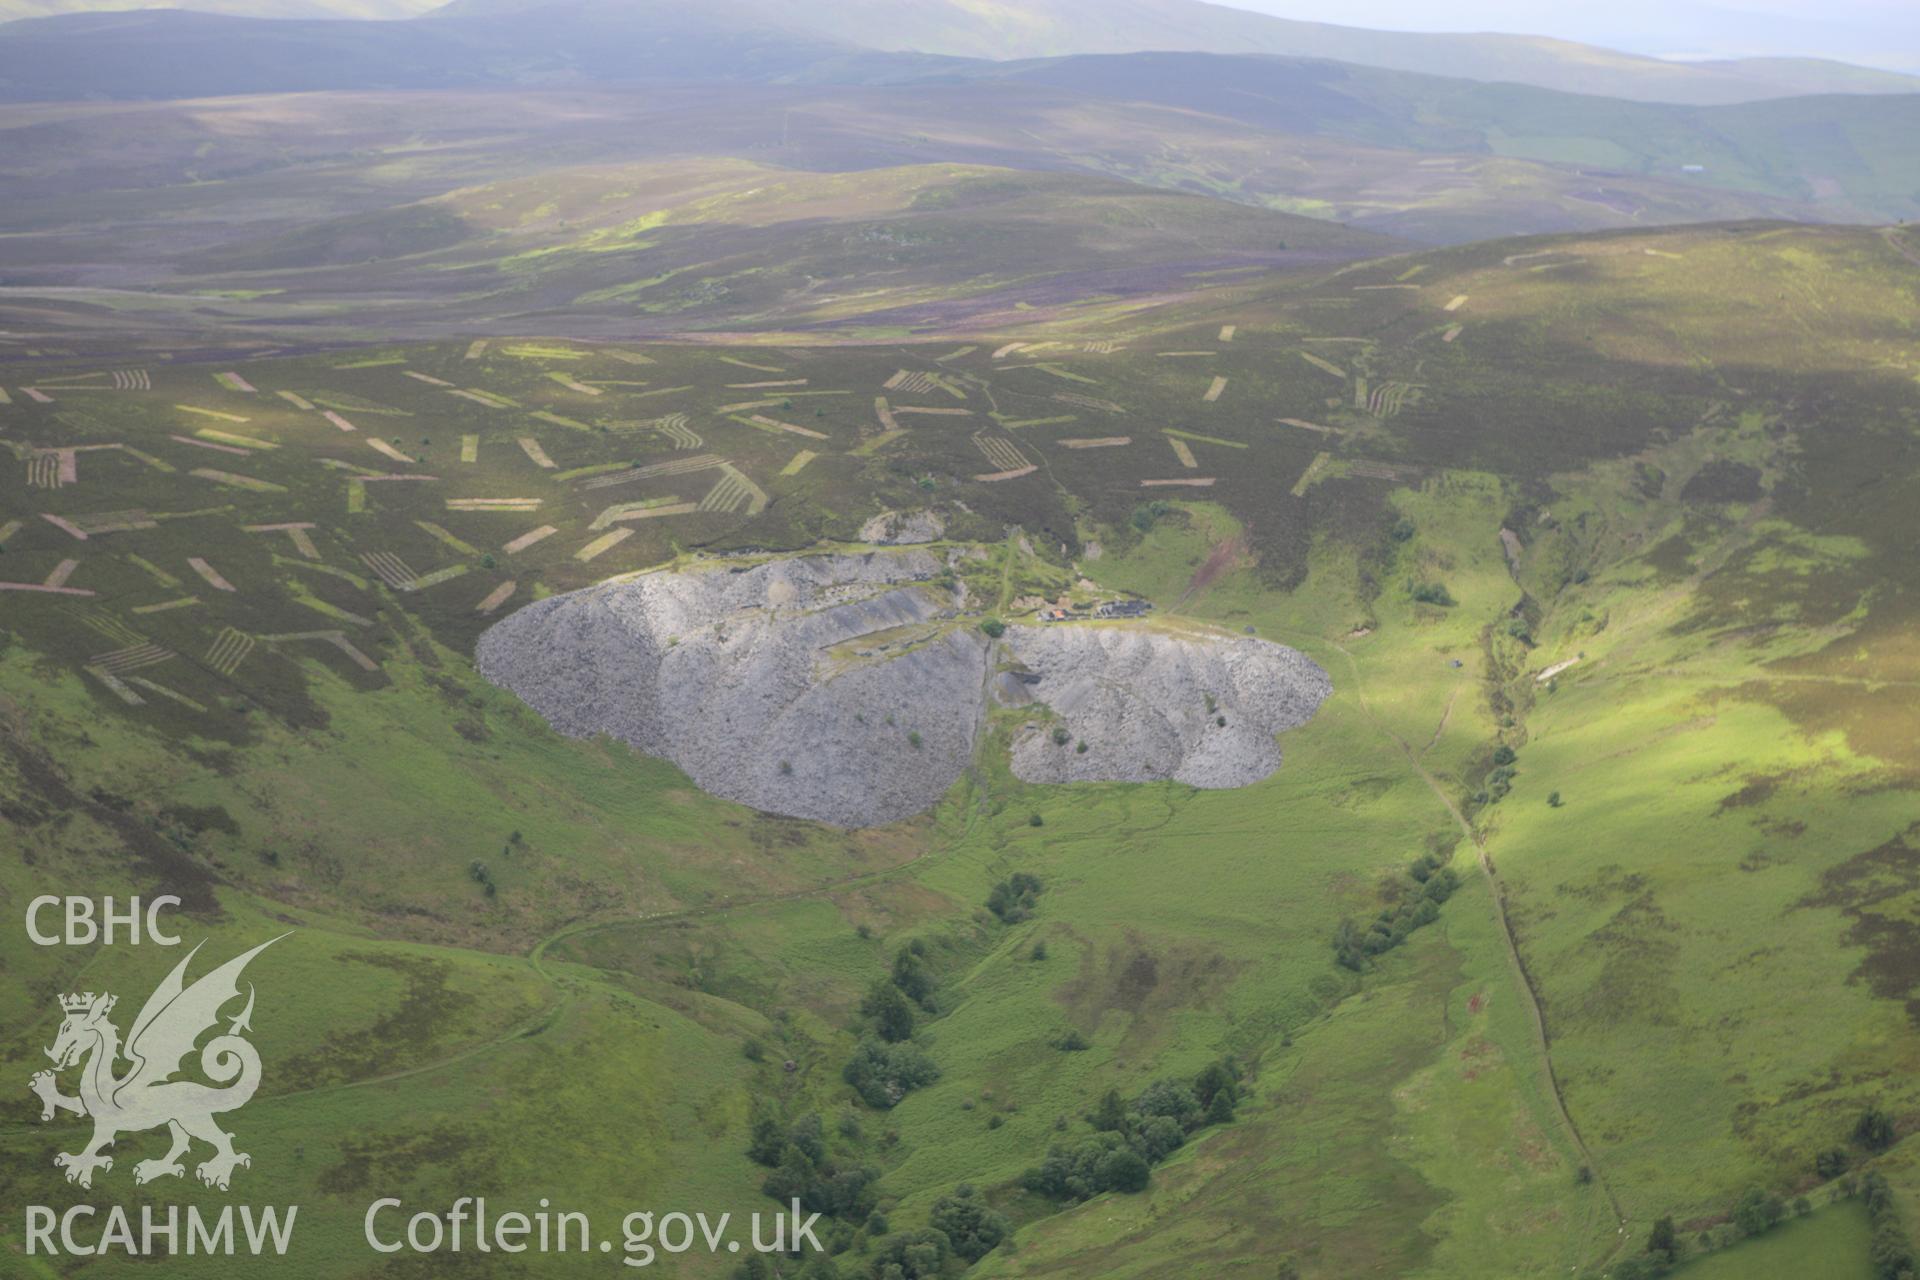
(1834, 157)
(12, 10)
(1059, 28)
(612, 30)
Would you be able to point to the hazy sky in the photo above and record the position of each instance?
(1877, 32)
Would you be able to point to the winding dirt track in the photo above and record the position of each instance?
(1522, 981)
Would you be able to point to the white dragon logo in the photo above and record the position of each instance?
(146, 1097)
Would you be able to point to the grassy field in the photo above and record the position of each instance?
(1614, 586)
(1830, 1243)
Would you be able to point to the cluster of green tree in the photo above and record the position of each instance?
(478, 873)
(1434, 593)
(973, 1227)
(1500, 777)
(914, 976)
(1413, 901)
(858, 1242)
(828, 1175)
(889, 1012)
(763, 1267)
(804, 1169)
(1662, 1253)
(882, 1074)
(1874, 1130)
(1758, 1211)
(912, 1255)
(962, 1229)
(885, 1067)
(893, 1004)
(925, 1254)
(832, 1178)
(1014, 898)
(1148, 514)
(1130, 1138)
(835, 1181)
(1892, 1247)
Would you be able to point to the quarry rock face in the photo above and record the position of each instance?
(847, 689)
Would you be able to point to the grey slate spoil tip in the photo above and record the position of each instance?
(846, 688)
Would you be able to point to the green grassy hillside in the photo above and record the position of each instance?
(1605, 542)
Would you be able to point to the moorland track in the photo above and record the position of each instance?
(1440, 729)
(1522, 980)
